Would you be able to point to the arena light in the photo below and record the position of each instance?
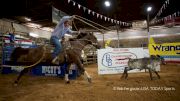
(149, 9)
(34, 25)
(107, 3)
(27, 19)
(47, 29)
(34, 35)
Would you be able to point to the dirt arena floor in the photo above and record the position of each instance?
(138, 87)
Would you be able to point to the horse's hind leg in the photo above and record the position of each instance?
(150, 73)
(25, 70)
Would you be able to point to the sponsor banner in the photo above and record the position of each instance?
(28, 42)
(172, 59)
(44, 70)
(166, 49)
(113, 60)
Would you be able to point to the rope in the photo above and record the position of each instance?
(90, 24)
(74, 25)
(32, 64)
(93, 22)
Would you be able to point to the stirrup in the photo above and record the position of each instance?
(54, 61)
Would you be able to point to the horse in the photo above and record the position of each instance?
(144, 63)
(71, 54)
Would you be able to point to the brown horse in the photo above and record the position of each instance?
(71, 54)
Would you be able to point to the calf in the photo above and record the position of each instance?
(144, 63)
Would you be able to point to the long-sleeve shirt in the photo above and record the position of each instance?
(60, 30)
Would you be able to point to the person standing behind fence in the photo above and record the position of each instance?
(12, 37)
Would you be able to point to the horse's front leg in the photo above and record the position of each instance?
(67, 74)
(83, 71)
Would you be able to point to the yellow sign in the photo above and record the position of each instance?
(164, 49)
(107, 43)
(151, 40)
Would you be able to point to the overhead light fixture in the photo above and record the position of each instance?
(34, 35)
(47, 29)
(27, 19)
(107, 3)
(149, 8)
(33, 25)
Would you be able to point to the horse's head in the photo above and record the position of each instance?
(89, 38)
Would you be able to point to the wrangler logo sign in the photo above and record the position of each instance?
(164, 49)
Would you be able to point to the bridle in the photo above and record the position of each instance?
(68, 44)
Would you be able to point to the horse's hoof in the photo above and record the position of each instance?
(67, 82)
(89, 80)
(121, 77)
(15, 84)
(125, 78)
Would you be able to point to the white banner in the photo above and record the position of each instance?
(89, 11)
(93, 13)
(84, 8)
(79, 6)
(74, 3)
(97, 15)
(113, 60)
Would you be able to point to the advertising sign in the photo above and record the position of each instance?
(165, 49)
(113, 60)
(43, 70)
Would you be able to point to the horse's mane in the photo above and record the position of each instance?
(79, 36)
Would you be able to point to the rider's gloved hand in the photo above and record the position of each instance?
(79, 32)
(62, 39)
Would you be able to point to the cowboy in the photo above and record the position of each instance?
(62, 28)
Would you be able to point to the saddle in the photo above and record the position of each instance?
(65, 46)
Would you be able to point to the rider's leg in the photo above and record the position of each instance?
(57, 49)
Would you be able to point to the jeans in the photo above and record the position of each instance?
(55, 41)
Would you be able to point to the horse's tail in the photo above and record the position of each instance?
(42, 57)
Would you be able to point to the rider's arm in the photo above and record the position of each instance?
(69, 31)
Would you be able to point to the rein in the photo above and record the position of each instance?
(78, 43)
(85, 40)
